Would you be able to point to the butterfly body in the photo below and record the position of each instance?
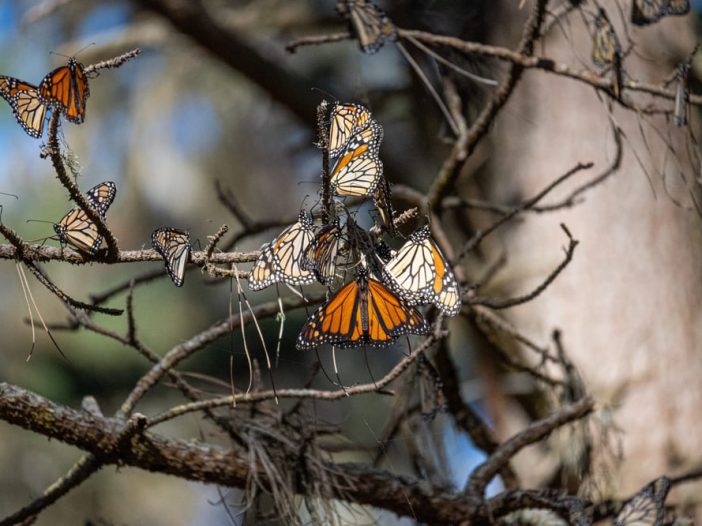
(67, 88)
(76, 228)
(174, 247)
(682, 96)
(320, 256)
(363, 313)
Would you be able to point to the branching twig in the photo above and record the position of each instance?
(519, 300)
(34, 252)
(464, 416)
(468, 140)
(55, 154)
(311, 394)
(197, 342)
(113, 62)
(538, 430)
(20, 254)
(482, 234)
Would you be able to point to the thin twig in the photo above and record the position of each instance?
(536, 431)
(76, 195)
(312, 394)
(519, 300)
(482, 234)
(468, 140)
(113, 62)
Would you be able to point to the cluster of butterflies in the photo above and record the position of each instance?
(606, 49)
(379, 304)
(64, 89)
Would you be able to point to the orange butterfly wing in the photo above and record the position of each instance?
(335, 322)
(363, 312)
(390, 317)
(346, 120)
(67, 87)
(27, 105)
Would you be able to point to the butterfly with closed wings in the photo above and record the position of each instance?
(76, 228)
(174, 247)
(647, 507)
(345, 121)
(368, 22)
(320, 256)
(606, 50)
(645, 12)
(357, 170)
(280, 260)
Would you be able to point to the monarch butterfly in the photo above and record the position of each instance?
(682, 96)
(420, 274)
(101, 196)
(320, 256)
(76, 229)
(345, 121)
(647, 507)
(381, 198)
(357, 170)
(280, 260)
(67, 87)
(363, 312)
(606, 50)
(644, 12)
(370, 24)
(174, 247)
(27, 104)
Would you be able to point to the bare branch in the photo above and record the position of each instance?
(536, 431)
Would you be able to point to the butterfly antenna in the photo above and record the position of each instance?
(48, 332)
(240, 293)
(91, 44)
(29, 308)
(58, 54)
(9, 195)
(430, 88)
(336, 371)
